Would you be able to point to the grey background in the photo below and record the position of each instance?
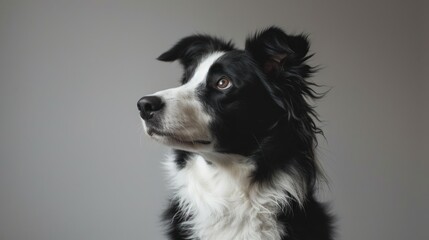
(74, 163)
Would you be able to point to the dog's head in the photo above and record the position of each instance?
(229, 98)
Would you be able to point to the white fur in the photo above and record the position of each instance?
(185, 116)
(216, 191)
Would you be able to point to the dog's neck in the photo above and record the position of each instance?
(221, 201)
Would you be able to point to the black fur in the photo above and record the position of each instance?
(181, 157)
(190, 49)
(173, 216)
(265, 116)
(308, 222)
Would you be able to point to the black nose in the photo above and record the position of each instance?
(149, 105)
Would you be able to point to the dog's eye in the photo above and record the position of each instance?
(223, 83)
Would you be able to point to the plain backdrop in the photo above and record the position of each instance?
(75, 164)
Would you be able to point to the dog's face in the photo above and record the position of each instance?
(226, 100)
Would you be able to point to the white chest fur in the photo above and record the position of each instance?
(224, 204)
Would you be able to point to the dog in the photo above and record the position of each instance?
(243, 133)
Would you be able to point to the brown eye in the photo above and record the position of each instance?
(223, 83)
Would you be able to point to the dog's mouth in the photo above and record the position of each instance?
(174, 138)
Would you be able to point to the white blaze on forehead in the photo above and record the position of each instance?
(198, 77)
(202, 69)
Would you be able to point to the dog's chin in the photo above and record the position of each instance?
(179, 142)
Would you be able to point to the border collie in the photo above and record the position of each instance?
(243, 133)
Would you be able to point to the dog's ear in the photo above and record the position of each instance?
(191, 48)
(283, 59)
(275, 51)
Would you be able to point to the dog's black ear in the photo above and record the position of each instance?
(274, 50)
(191, 48)
(283, 59)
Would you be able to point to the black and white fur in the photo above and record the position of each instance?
(243, 136)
